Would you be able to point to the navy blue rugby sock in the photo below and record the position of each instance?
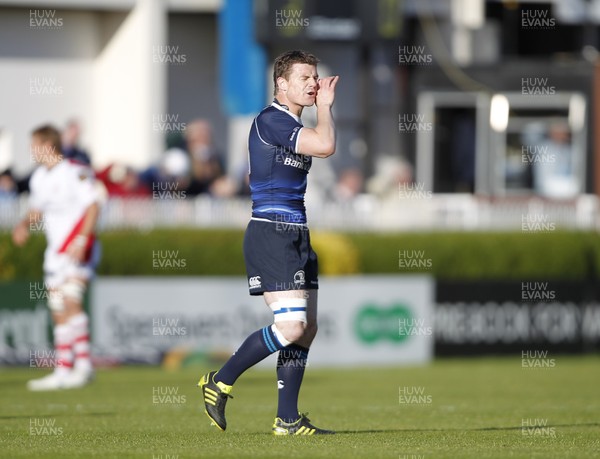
(291, 364)
(257, 346)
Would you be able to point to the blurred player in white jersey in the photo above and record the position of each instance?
(65, 200)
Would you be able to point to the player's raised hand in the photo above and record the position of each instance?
(326, 91)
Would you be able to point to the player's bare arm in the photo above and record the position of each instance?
(20, 232)
(320, 140)
(77, 248)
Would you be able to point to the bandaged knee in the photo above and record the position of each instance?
(287, 309)
(73, 289)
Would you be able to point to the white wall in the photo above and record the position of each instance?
(100, 62)
(95, 66)
(43, 61)
(128, 88)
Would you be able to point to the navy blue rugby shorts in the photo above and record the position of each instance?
(279, 257)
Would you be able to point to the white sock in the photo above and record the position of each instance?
(63, 345)
(81, 341)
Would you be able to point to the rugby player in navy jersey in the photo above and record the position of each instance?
(280, 263)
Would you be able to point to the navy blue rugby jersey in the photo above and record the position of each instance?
(278, 173)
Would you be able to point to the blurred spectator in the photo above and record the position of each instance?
(390, 175)
(122, 181)
(8, 185)
(224, 187)
(172, 173)
(70, 143)
(322, 182)
(349, 185)
(553, 171)
(207, 171)
(175, 164)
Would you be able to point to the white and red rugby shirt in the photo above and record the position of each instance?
(62, 194)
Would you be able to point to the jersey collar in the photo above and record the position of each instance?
(285, 109)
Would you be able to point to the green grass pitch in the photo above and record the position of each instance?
(453, 408)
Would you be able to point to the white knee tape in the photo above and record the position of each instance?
(55, 301)
(289, 309)
(73, 289)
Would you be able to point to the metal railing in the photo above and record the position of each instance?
(438, 212)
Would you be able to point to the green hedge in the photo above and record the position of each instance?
(555, 255)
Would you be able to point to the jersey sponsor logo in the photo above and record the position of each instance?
(299, 277)
(254, 282)
(289, 161)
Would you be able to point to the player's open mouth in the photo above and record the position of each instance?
(311, 93)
